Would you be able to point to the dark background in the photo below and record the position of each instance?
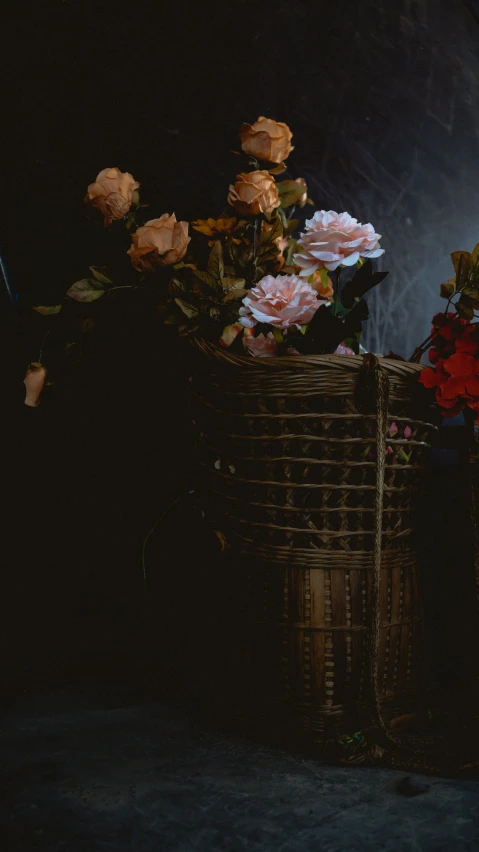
(382, 98)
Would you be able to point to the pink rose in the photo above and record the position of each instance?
(343, 350)
(335, 239)
(282, 302)
(263, 346)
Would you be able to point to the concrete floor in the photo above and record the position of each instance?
(91, 768)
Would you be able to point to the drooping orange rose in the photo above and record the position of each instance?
(112, 194)
(34, 382)
(253, 193)
(266, 140)
(161, 242)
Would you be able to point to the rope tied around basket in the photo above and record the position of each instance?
(372, 394)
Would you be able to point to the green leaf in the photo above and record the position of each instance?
(47, 310)
(86, 290)
(292, 248)
(234, 288)
(188, 310)
(267, 255)
(279, 169)
(206, 278)
(473, 294)
(130, 220)
(272, 235)
(99, 275)
(364, 280)
(462, 263)
(291, 226)
(447, 290)
(290, 192)
(215, 261)
(465, 307)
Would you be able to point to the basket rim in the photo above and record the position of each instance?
(298, 363)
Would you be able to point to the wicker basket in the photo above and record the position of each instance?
(290, 479)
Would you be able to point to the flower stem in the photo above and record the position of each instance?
(336, 292)
(150, 533)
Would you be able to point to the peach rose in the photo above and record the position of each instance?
(266, 140)
(112, 194)
(335, 239)
(283, 302)
(161, 242)
(263, 346)
(253, 193)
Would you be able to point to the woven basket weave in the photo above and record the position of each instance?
(289, 472)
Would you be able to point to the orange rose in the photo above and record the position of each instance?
(161, 242)
(112, 194)
(266, 140)
(253, 193)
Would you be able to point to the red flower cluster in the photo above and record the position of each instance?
(455, 355)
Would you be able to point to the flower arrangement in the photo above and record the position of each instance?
(454, 341)
(245, 280)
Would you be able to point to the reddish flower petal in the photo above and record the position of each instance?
(460, 365)
(472, 385)
(431, 378)
(454, 386)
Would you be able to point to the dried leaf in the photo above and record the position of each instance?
(461, 261)
(215, 261)
(290, 192)
(100, 275)
(448, 289)
(188, 310)
(234, 288)
(206, 278)
(465, 308)
(475, 255)
(47, 310)
(276, 232)
(86, 290)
